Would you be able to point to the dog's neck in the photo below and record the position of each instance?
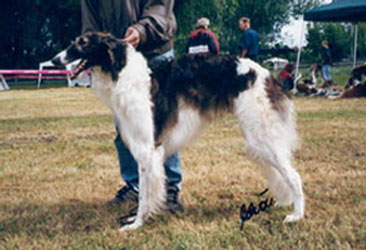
(134, 60)
(133, 78)
(136, 71)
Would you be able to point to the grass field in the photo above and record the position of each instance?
(58, 166)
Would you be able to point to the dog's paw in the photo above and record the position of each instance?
(131, 219)
(130, 227)
(292, 218)
(283, 203)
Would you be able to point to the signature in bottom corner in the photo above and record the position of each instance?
(246, 213)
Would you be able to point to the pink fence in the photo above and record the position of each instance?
(34, 74)
(7, 74)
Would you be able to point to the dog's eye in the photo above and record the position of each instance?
(82, 42)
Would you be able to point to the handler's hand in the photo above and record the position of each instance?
(132, 36)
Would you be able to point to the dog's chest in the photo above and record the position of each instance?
(103, 89)
(122, 94)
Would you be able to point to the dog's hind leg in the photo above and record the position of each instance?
(283, 179)
(270, 139)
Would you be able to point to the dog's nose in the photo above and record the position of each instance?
(56, 61)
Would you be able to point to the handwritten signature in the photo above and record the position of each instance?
(247, 213)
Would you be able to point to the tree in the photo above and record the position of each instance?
(33, 31)
(361, 51)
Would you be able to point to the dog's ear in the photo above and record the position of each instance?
(94, 38)
(117, 54)
(115, 57)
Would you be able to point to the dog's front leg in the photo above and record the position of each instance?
(136, 124)
(152, 193)
(143, 156)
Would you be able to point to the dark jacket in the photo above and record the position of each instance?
(250, 42)
(153, 19)
(326, 56)
(202, 41)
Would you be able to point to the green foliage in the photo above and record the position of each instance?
(362, 41)
(36, 30)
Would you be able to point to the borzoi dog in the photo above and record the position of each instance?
(161, 109)
(356, 76)
(355, 87)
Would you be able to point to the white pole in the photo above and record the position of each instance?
(3, 83)
(299, 52)
(355, 45)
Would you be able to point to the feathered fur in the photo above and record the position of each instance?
(162, 109)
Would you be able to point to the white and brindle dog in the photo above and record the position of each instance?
(162, 108)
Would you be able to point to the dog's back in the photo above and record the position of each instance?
(208, 84)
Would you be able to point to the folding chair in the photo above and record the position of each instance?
(3, 83)
(47, 64)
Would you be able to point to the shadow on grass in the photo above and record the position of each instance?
(71, 217)
(76, 216)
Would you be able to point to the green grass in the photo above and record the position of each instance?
(58, 166)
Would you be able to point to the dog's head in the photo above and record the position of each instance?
(95, 49)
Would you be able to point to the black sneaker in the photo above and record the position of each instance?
(173, 203)
(127, 193)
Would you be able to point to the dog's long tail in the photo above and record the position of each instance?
(152, 186)
(158, 190)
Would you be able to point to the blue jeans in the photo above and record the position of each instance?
(326, 72)
(128, 165)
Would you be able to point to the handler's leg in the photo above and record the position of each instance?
(129, 173)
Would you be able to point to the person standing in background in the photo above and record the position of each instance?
(326, 61)
(249, 45)
(202, 40)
